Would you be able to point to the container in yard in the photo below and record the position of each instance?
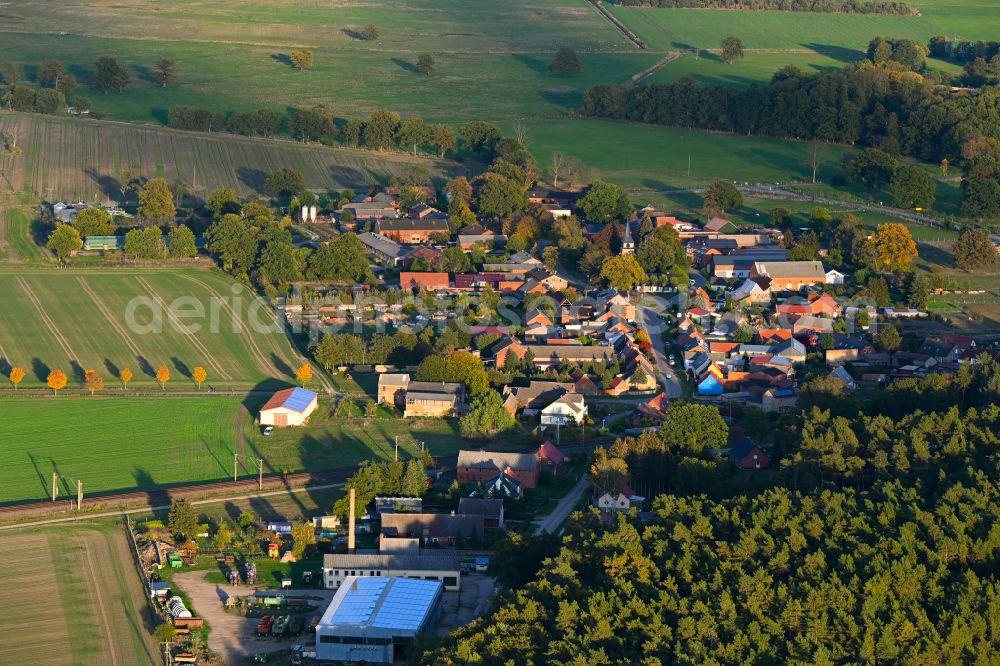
(175, 560)
(272, 550)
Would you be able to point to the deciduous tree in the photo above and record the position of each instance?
(722, 196)
(199, 375)
(156, 202)
(165, 72)
(16, 376)
(912, 187)
(126, 376)
(92, 381)
(889, 338)
(93, 222)
(64, 241)
(49, 72)
(731, 49)
(182, 242)
(974, 251)
(893, 246)
(605, 202)
(487, 418)
(425, 63)
(109, 74)
(285, 182)
(56, 381)
(163, 376)
(370, 32)
(304, 374)
(303, 536)
(623, 272)
(566, 62)
(302, 59)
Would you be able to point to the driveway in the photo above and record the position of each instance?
(233, 636)
(554, 520)
(462, 607)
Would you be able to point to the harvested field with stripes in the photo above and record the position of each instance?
(65, 158)
(107, 320)
(72, 596)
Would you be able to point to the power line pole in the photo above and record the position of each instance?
(260, 473)
(55, 485)
(236, 458)
(79, 494)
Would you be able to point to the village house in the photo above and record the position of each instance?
(490, 509)
(550, 458)
(410, 231)
(418, 280)
(436, 399)
(745, 454)
(610, 502)
(569, 408)
(433, 528)
(790, 275)
(478, 467)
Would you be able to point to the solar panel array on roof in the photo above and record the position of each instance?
(299, 399)
(359, 604)
(406, 604)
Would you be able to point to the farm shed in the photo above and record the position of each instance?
(288, 407)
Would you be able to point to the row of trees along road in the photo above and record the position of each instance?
(94, 383)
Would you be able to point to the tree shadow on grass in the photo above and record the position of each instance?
(112, 368)
(282, 58)
(181, 366)
(40, 369)
(161, 115)
(535, 64)
(5, 366)
(144, 73)
(281, 366)
(353, 34)
(109, 186)
(935, 255)
(839, 53)
(252, 178)
(405, 65)
(145, 366)
(348, 176)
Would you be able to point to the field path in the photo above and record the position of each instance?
(264, 364)
(100, 607)
(48, 322)
(655, 67)
(110, 317)
(181, 328)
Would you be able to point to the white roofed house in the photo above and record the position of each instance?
(567, 408)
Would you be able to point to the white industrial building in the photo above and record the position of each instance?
(288, 407)
(368, 617)
(339, 568)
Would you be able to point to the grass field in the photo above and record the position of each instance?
(117, 444)
(648, 157)
(72, 596)
(811, 40)
(109, 319)
(65, 158)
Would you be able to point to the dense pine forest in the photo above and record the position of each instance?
(875, 540)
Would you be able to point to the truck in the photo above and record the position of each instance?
(296, 625)
(265, 625)
(280, 626)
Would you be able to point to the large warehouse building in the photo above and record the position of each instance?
(369, 617)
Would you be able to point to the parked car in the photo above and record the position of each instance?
(268, 431)
(672, 359)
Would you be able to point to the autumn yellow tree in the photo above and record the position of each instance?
(93, 382)
(126, 377)
(163, 376)
(56, 381)
(893, 246)
(199, 375)
(15, 376)
(304, 374)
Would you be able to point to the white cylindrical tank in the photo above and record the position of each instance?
(177, 609)
(304, 213)
(312, 213)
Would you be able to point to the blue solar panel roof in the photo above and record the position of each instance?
(386, 603)
(299, 399)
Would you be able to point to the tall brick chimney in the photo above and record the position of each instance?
(350, 525)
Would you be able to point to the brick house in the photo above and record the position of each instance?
(475, 467)
(430, 281)
(411, 231)
(790, 275)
